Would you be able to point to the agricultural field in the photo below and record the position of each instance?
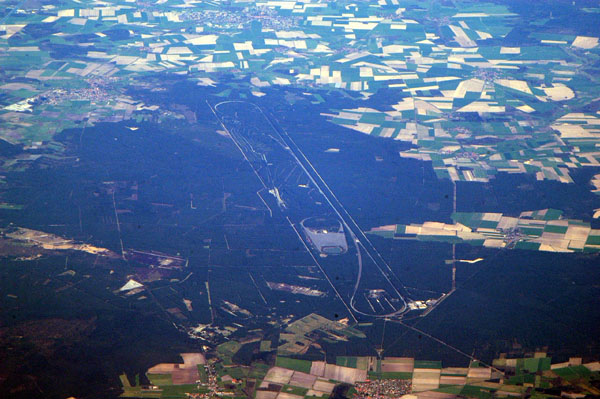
(131, 215)
(297, 336)
(544, 230)
(419, 378)
(463, 78)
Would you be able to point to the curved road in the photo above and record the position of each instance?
(359, 239)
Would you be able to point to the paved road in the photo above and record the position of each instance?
(365, 250)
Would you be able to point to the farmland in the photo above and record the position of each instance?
(461, 80)
(136, 238)
(506, 376)
(544, 230)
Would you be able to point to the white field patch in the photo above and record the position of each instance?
(578, 125)
(480, 373)
(585, 42)
(595, 182)
(461, 37)
(569, 131)
(483, 106)
(426, 379)
(344, 374)
(546, 41)
(526, 108)
(323, 386)
(471, 15)
(279, 375)
(179, 50)
(484, 35)
(285, 395)
(78, 21)
(202, 40)
(130, 285)
(558, 92)
(493, 243)
(17, 86)
(50, 19)
(66, 13)
(22, 106)
(362, 127)
(193, 359)
(304, 380)
(471, 85)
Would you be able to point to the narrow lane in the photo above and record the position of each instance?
(365, 250)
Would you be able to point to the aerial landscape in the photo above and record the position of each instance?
(281, 199)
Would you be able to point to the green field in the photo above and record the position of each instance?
(346, 361)
(293, 364)
(428, 364)
(573, 373)
(137, 392)
(202, 373)
(265, 346)
(178, 391)
(258, 370)
(294, 390)
(160, 379)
